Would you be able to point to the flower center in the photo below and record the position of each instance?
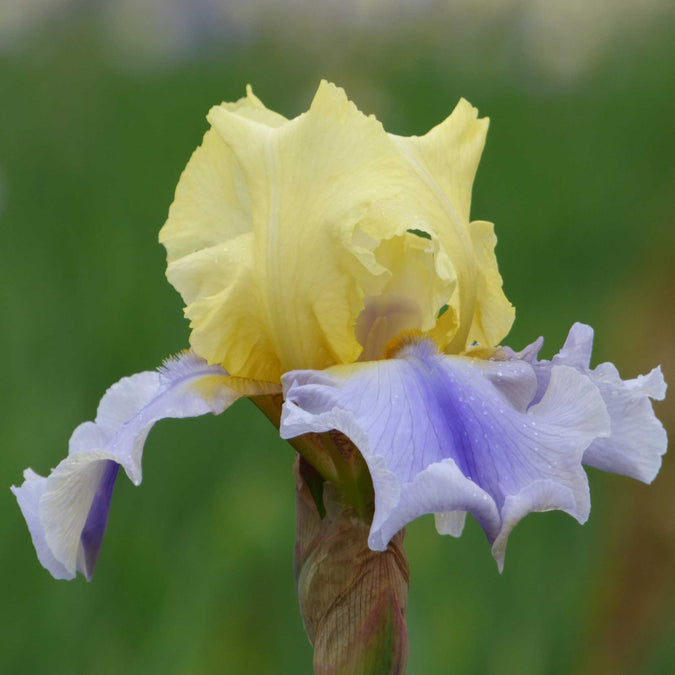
(382, 320)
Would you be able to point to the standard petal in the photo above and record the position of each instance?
(67, 512)
(494, 314)
(637, 440)
(462, 133)
(446, 160)
(316, 219)
(447, 434)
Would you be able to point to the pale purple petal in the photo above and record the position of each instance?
(67, 512)
(445, 434)
(637, 440)
(28, 496)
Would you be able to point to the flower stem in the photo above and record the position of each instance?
(332, 455)
(353, 476)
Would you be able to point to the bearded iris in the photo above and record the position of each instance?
(334, 266)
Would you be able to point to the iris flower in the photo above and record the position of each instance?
(332, 266)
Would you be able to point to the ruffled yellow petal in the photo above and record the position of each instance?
(446, 159)
(448, 156)
(494, 314)
(291, 241)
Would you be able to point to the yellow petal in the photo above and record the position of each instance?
(446, 159)
(419, 281)
(494, 314)
(290, 240)
(449, 153)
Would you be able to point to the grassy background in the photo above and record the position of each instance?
(195, 575)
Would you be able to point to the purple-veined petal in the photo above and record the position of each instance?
(67, 512)
(637, 440)
(91, 537)
(446, 434)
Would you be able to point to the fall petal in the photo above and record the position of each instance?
(67, 511)
(637, 440)
(447, 434)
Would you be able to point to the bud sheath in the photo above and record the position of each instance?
(353, 600)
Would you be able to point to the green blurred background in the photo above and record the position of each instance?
(101, 105)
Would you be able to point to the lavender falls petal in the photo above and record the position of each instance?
(67, 512)
(450, 433)
(637, 440)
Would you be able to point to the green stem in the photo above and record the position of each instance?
(334, 457)
(353, 476)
